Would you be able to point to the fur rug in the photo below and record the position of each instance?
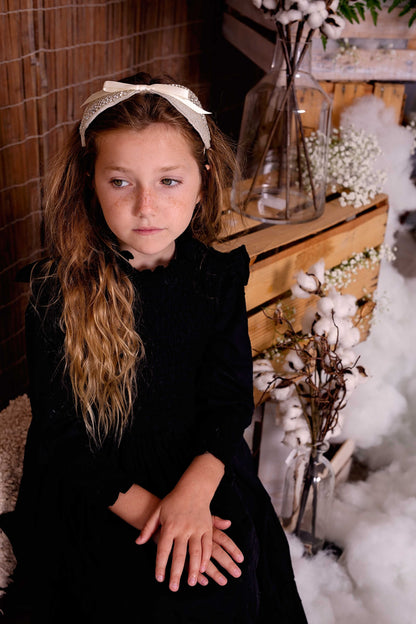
(14, 423)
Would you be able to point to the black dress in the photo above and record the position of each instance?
(77, 560)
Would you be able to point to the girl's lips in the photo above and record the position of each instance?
(147, 231)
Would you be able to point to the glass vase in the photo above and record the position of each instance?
(283, 142)
(307, 495)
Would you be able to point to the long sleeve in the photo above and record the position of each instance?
(225, 393)
(57, 443)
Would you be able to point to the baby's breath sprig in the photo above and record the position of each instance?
(345, 273)
(352, 172)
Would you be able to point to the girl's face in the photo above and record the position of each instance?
(148, 183)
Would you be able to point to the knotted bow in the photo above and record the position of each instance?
(183, 99)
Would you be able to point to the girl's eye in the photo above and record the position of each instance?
(118, 183)
(169, 182)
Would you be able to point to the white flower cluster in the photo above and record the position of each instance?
(346, 272)
(330, 317)
(314, 13)
(352, 155)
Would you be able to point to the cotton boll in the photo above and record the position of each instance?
(293, 362)
(264, 376)
(281, 394)
(323, 326)
(318, 269)
(324, 306)
(348, 357)
(290, 423)
(299, 293)
(344, 305)
(317, 6)
(287, 17)
(306, 282)
(349, 336)
(333, 335)
(265, 381)
(270, 4)
(291, 408)
(262, 365)
(333, 27)
(290, 439)
(303, 434)
(315, 20)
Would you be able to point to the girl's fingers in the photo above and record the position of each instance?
(225, 561)
(164, 548)
(206, 551)
(202, 580)
(213, 572)
(219, 523)
(195, 553)
(178, 563)
(228, 545)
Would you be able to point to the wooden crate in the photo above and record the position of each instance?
(277, 252)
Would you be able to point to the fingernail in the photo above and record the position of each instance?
(192, 580)
(173, 586)
(236, 571)
(203, 581)
(222, 580)
(159, 577)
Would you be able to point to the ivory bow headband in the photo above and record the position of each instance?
(180, 97)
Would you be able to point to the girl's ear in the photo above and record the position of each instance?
(207, 167)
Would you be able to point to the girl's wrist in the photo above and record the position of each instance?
(202, 477)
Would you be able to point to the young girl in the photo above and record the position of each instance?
(139, 501)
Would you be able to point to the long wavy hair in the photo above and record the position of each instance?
(103, 350)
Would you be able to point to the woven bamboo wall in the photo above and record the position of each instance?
(53, 54)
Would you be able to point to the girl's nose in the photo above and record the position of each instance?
(144, 203)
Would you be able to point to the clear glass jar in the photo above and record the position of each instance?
(283, 142)
(308, 494)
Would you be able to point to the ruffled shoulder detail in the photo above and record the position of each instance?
(235, 263)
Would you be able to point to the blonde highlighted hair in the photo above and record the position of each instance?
(102, 347)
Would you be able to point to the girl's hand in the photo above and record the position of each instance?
(225, 552)
(186, 530)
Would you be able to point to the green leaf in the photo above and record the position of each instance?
(361, 11)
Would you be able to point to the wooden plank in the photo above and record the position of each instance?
(248, 41)
(363, 64)
(274, 237)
